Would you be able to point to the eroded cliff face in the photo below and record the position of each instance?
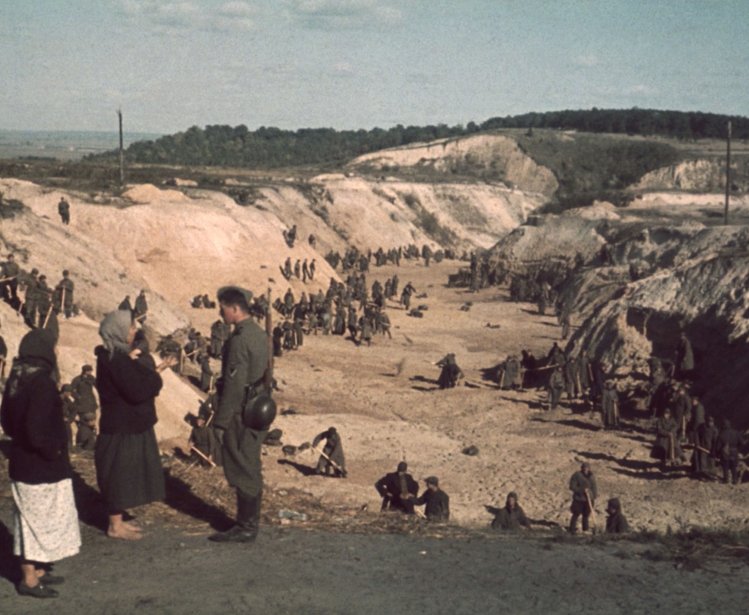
(705, 175)
(177, 244)
(498, 155)
(171, 245)
(663, 280)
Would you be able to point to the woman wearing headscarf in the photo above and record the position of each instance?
(45, 520)
(128, 465)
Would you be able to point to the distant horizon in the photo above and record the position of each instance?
(352, 64)
(321, 127)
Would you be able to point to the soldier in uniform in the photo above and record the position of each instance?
(220, 332)
(667, 446)
(82, 388)
(244, 364)
(584, 492)
(206, 373)
(511, 375)
(68, 410)
(9, 285)
(63, 296)
(44, 300)
(63, 208)
(610, 405)
(141, 307)
(32, 299)
(556, 386)
(684, 357)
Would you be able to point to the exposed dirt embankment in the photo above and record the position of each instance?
(661, 280)
(695, 176)
(492, 155)
(344, 210)
(173, 246)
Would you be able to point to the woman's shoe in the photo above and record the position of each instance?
(38, 591)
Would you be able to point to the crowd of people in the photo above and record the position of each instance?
(233, 423)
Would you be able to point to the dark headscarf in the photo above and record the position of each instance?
(36, 353)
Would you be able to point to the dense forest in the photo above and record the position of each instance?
(273, 147)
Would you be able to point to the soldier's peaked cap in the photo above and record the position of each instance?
(247, 293)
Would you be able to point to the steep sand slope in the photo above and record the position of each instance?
(497, 153)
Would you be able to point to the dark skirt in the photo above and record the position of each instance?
(128, 469)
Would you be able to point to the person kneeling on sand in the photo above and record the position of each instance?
(616, 522)
(511, 517)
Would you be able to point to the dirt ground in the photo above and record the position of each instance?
(347, 558)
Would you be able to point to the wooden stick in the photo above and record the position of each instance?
(269, 333)
(592, 510)
(205, 457)
(333, 463)
(46, 318)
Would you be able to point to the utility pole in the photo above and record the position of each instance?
(728, 173)
(122, 152)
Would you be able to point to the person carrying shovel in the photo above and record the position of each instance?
(331, 456)
(584, 493)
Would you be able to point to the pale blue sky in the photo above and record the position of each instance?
(68, 65)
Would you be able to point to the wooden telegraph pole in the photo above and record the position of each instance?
(122, 151)
(728, 173)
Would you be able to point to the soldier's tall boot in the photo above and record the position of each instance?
(248, 520)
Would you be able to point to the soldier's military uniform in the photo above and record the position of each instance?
(63, 296)
(245, 361)
(63, 208)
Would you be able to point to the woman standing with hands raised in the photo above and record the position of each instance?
(128, 464)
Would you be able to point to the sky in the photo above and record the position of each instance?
(351, 64)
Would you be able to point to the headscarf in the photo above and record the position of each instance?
(36, 352)
(114, 330)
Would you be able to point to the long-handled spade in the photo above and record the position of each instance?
(333, 463)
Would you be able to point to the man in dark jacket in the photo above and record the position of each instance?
(396, 489)
(727, 446)
(584, 492)
(141, 307)
(9, 271)
(244, 364)
(332, 459)
(616, 522)
(450, 373)
(63, 208)
(437, 501)
(511, 517)
(610, 405)
(684, 357)
(63, 295)
(83, 393)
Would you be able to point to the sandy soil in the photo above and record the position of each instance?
(385, 404)
(385, 417)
